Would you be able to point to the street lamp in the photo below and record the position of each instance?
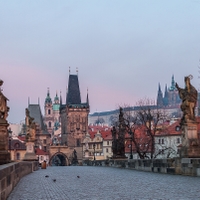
(94, 151)
(131, 151)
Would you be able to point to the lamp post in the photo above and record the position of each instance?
(94, 151)
(131, 151)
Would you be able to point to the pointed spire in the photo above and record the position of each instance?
(87, 99)
(28, 101)
(69, 69)
(73, 94)
(77, 71)
(173, 87)
(38, 100)
(48, 98)
(159, 96)
(60, 98)
(159, 88)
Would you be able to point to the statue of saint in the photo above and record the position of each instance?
(3, 104)
(188, 96)
(30, 126)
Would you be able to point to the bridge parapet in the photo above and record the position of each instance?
(11, 173)
(179, 166)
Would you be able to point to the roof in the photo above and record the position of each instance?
(36, 113)
(40, 152)
(73, 95)
(16, 144)
(104, 130)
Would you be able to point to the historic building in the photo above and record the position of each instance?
(170, 99)
(74, 117)
(52, 113)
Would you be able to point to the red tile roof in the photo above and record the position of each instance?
(40, 152)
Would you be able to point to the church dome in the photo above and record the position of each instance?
(48, 98)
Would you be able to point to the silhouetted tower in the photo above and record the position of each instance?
(159, 97)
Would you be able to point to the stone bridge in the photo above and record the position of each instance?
(62, 155)
(99, 183)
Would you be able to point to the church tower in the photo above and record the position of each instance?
(48, 110)
(74, 117)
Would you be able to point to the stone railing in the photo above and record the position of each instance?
(11, 173)
(181, 166)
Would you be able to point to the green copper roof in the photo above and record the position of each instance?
(56, 106)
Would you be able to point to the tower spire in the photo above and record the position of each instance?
(60, 98)
(87, 98)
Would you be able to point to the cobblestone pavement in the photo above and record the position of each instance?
(107, 183)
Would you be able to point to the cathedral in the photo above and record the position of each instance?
(170, 99)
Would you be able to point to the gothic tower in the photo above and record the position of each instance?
(74, 117)
(159, 97)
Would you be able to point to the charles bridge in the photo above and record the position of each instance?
(106, 179)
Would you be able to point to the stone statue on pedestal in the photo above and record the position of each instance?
(190, 142)
(3, 105)
(4, 154)
(30, 137)
(188, 96)
(118, 144)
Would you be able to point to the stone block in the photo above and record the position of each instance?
(198, 171)
(186, 160)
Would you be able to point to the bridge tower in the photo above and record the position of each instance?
(74, 117)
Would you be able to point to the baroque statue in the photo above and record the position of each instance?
(188, 95)
(4, 109)
(30, 127)
(118, 143)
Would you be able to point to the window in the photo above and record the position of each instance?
(18, 156)
(178, 140)
(106, 150)
(44, 141)
(45, 148)
(17, 146)
(49, 112)
(78, 144)
(177, 128)
(49, 124)
(162, 141)
(159, 141)
(107, 142)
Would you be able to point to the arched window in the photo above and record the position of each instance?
(18, 156)
(49, 112)
(49, 124)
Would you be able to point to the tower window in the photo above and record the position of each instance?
(49, 124)
(78, 143)
(49, 112)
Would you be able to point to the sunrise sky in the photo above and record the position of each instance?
(122, 49)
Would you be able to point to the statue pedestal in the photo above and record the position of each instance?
(4, 154)
(30, 152)
(190, 142)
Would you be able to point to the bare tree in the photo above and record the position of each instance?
(142, 124)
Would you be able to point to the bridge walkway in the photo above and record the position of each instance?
(104, 183)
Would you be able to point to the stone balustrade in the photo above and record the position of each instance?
(11, 173)
(180, 166)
